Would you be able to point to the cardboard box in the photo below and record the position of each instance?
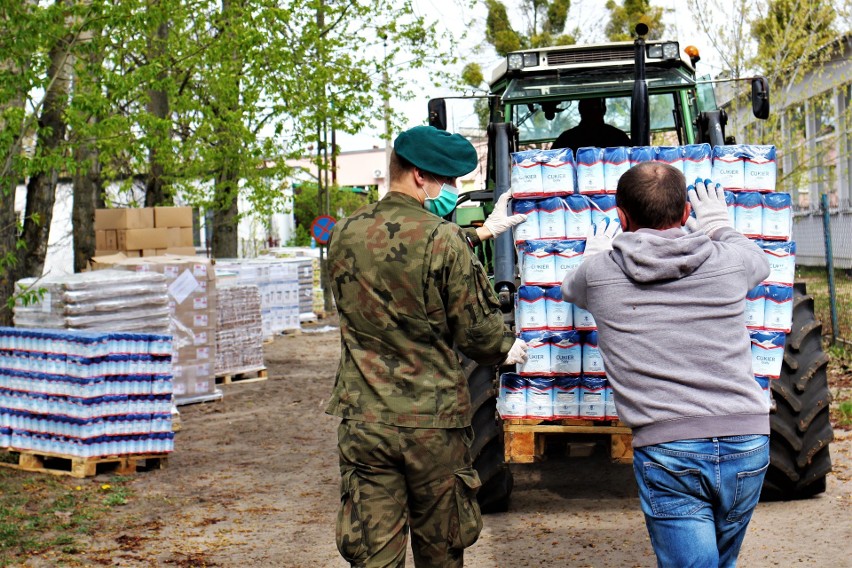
(104, 254)
(106, 239)
(180, 236)
(165, 217)
(141, 239)
(182, 251)
(124, 218)
(150, 252)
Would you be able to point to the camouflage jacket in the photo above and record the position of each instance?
(408, 288)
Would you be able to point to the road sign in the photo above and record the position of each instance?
(321, 228)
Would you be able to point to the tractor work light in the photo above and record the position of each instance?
(531, 59)
(516, 61)
(668, 50)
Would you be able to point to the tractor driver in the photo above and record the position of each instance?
(592, 130)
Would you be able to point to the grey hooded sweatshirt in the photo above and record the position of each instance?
(669, 310)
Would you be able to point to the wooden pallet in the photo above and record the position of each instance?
(524, 439)
(78, 467)
(244, 376)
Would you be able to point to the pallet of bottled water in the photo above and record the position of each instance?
(85, 394)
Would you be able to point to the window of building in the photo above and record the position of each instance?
(824, 163)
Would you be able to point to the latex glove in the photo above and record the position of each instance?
(708, 202)
(518, 353)
(499, 222)
(599, 237)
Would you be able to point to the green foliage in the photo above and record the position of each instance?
(306, 207)
(802, 27)
(624, 17)
(472, 75)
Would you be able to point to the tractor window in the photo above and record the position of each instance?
(541, 122)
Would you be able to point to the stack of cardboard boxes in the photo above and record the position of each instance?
(191, 286)
(148, 231)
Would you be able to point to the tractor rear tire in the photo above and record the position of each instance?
(487, 447)
(801, 430)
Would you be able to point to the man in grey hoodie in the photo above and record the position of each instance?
(669, 310)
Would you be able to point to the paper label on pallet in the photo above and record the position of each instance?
(183, 286)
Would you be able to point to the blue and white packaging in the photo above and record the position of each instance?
(592, 397)
(697, 162)
(568, 256)
(760, 168)
(748, 218)
(551, 218)
(539, 264)
(526, 174)
(583, 319)
(778, 315)
(603, 207)
(671, 155)
(538, 353)
(764, 383)
(639, 154)
(592, 360)
(559, 312)
(755, 306)
(767, 352)
(540, 397)
(557, 172)
(616, 161)
(532, 308)
(565, 353)
(566, 397)
(728, 167)
(512, 401)
(528, 230)
(578, 216)
(611, 411)
(731, 202)
(777, 216)
(782, 261)
(590, 170)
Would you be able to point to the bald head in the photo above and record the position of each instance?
(653, 195)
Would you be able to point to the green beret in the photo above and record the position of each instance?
(437, 151)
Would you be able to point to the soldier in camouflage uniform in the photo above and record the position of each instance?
(409, 289)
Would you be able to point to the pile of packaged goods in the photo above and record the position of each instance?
(562, 197)
(277, 279)
(239, 335)
(192, 301)
(102, 300)
(85, 394)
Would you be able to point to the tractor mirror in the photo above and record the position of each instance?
(760, 97)
(438, 113)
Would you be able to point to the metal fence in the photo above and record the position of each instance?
(823, 236)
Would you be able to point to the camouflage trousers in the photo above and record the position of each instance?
(397, 479)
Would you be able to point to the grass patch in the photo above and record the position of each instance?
(47, 516)
(816, 280)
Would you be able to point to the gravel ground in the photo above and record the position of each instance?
(254, 482)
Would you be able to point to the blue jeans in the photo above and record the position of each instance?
(698, 497)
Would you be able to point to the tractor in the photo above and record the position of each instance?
(653, 93)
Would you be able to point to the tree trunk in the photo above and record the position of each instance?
(226, 189)
(41, 188)
(87, 183)
(226, 214)
(158, 107)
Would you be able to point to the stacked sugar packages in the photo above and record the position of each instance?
(85, 393)
(563, 196)
(748, 175)
(564, 375)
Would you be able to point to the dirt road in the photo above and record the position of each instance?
(253, 482)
